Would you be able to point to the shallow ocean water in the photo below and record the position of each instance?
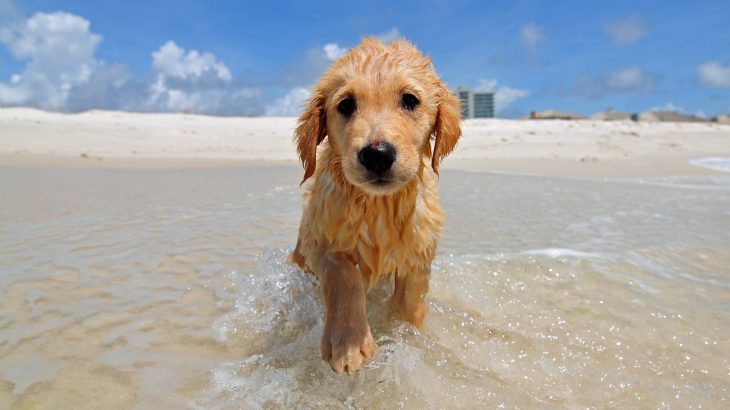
(142, 289)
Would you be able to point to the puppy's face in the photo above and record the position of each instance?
(378, 123)
(379, 106)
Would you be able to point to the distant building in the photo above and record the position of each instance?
(661, 116)
(476, 104)
(722, 119)
(611, 115)
(552, 114)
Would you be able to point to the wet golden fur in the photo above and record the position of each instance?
(354, 231)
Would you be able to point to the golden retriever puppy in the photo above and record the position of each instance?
(372, 208)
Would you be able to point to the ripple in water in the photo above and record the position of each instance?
(170, 289)
(531, 329)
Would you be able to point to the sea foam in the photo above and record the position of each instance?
(716, 163)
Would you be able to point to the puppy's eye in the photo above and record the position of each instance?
(409, 102)
(346, 107)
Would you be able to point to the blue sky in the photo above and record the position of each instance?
(261, 58)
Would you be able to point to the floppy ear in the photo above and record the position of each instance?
(311, 130)
(447, 129)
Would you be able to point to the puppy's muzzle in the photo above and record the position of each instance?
(377, 157)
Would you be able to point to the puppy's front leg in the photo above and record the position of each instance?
(409, 295)
(346, 340)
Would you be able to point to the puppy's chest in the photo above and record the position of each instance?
(395, 236)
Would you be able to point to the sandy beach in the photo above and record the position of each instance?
(34, 138)
(143, 265)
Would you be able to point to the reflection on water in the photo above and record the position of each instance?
(170, 288)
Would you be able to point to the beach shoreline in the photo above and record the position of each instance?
(31, 138)
(551, 167)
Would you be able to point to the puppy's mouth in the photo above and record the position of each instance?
(380, 184)
(380, 181)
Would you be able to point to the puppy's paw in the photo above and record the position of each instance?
(346, 345)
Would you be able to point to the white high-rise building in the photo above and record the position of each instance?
(476, 104)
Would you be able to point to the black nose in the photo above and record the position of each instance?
(377, 157)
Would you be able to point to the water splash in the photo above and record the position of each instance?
(273, 304)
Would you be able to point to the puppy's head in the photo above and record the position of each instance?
(380, 105)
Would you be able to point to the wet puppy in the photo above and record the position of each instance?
(371, 207)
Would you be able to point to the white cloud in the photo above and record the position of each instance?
(59, 49)
(62, 73)
(290, 105)
(390, 35)
(630, 79)
(633, 78)
(504, 96)
(173, 61)
(310, 66)
(714, 74)
(531, 35)
(333, 51)
(13, 95)
(669, 107)
(626, 31)
(192, 81)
